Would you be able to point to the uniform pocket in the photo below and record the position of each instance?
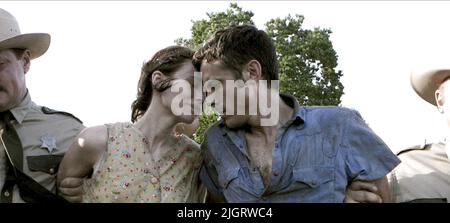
(45, 163)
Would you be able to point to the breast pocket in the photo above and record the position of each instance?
(315, 184)
(309, 150)
(46, 163)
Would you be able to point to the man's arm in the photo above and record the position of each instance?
(376, 191)
(368, 159)
(79, 161)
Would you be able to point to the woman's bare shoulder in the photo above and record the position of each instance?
(93, 139)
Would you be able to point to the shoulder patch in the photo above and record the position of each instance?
(412, 148)
(50, 111)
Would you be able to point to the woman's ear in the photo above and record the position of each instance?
(254, 70)
(160, 82)
(157, 77)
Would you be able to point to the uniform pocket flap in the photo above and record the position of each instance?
(45, 163)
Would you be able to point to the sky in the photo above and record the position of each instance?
(93, 64)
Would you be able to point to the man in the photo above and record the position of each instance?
(309, 154)
(424, 175)
(33, 138)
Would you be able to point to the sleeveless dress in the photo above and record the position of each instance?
(127, 172)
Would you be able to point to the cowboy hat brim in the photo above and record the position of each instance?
(425, 84)
(37, 43)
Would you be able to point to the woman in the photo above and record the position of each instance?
(146, 160)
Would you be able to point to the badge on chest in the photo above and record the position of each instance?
(48, 142)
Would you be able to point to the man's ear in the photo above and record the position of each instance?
(253, 71)
(26, 60)
(440, 99)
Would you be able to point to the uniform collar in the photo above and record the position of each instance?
(20, 111)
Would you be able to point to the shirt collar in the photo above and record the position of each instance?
(298, 117)
(20, 111)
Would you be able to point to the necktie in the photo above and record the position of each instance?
(14, 153)
(10, 138)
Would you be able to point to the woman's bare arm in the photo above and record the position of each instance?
(79, 161)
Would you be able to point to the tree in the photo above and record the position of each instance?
(307, 60)
(206, 119)
(202, 29)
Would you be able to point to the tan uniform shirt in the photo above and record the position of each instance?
(424, 174)
(45, 135)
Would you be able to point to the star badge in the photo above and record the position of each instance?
(48, 142)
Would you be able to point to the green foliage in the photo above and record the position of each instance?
(203, 29)
(206, 119)
(307, 62)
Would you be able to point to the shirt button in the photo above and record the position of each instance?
(154, 180)
(51, 170)
(6, 193)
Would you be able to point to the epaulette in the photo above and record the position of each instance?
(50, 111)
(412, 148)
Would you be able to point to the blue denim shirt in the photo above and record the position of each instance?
(316, 155)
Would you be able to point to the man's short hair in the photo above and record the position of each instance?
(237, 45)
(18, 52)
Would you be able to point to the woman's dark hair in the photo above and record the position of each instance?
(167, 61)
